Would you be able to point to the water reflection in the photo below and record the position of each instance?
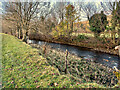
(103, 58)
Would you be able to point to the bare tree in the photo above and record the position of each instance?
(45, 14)
(90, 8)
(24, 12)
(60, 11)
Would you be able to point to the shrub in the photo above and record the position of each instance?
(98, 23)
(81, 37)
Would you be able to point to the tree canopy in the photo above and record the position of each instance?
(98, 23)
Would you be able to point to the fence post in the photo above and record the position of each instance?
(66, 62)
(44, 49)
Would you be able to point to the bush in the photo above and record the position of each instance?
(98, 23)
(82, 37)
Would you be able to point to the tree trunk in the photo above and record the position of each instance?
(16, 33)
(119, 35)
(23, 38)
(71, 26)
(24, 35)
(27, 37)
(19, 33)
(113, 37)
(11, 32)
(67, 25)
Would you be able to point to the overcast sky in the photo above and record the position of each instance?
(54, 1)
(63, 0)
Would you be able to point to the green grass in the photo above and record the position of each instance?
(23, 67)
(86, 34)
(107, 35)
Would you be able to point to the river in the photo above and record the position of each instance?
(99, 57)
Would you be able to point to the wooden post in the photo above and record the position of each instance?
(44, 49)
(66, 62)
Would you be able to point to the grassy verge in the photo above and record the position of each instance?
(23, 67)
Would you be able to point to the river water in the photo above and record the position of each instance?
(99, 57)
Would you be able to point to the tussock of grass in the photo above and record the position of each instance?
(23, 67)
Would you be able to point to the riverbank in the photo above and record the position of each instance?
(80, 69)
(91, 44)
(27, 67)
(24, 67)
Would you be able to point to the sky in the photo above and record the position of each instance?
(62, 0)
(0, 7)
(57, 1)
(53, 1)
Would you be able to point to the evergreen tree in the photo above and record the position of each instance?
(98, 23)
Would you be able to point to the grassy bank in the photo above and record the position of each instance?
(24, 67)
